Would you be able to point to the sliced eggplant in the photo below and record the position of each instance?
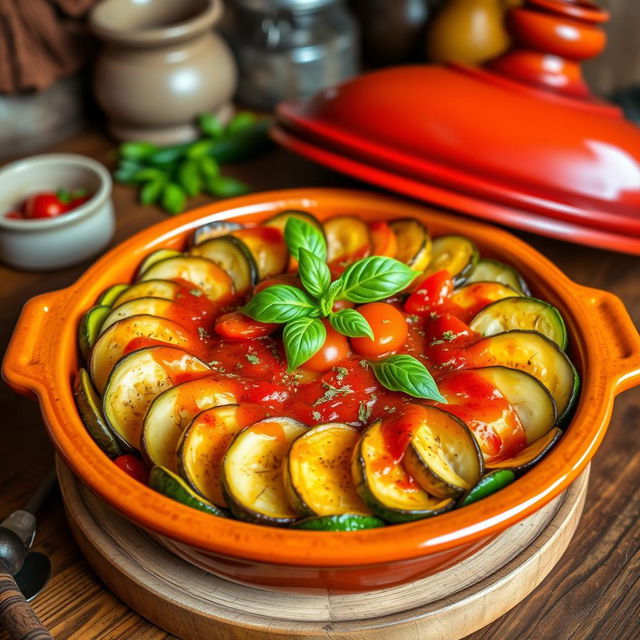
(531, 455)
(205, 441)
(252, 471)
(384, 485)
(171, 411)
(108, 297)
(232, 255)
(344, 522)
(204, 274)
(348, 240)
(532, 352)
(158, 307)
(268, 248)
(458, 255)
(137, 379)
(212, 230)
(489, 484)
(280, 219)
(487, 270)
(522, 313)
(165, 289)
(317, 472)
(414, 243)
(153, 258)
(470, 299)
(443, 456)
(88, 403)
(131, 334)
(89, 328)
(169, 484)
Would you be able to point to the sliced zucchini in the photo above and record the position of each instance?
(348, 240)
(89, 328)
(384, 485)
(149, 289)
(171, 411)
(158, 307)
(137, 379)
(317, 472)
(414, 243)
(531, 455)
(88, 403)
(280, 219)
(169, 484)
(534, 353)
(108, 296)
(522, 313)
(153, 258)
(488, 485)
(204, 442)
(204, 274)
(472, 298)
(458, 255)
(268, 248)
(212, 230)
(343, 522)
(232, 255)
(443, 457)
(252, 471)
(487, 270)
(531, 400)
(131, 334)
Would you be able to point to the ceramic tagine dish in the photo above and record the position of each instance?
(519, 141)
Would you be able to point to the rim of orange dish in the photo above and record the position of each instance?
(604, 344)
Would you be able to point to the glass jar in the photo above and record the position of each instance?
(290, 48)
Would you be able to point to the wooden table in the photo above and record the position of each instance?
(594, 591)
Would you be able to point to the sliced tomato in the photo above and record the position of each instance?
(430, 295)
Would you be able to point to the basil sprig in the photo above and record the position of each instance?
(407, 374)
(367, 280)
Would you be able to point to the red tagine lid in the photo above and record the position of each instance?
(520, 141)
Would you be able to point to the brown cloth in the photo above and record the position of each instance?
(40, 42)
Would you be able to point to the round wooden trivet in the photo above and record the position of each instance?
(193, 604)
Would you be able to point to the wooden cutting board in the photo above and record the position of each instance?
(193, 605)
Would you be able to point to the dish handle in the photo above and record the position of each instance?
(621, 341)
(25, 362)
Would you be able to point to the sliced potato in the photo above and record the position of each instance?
(443, 456)
(317, 472)
(137, 379)
(171, 411)
(268, 248)
(522, 313)
(205, 441)
(252, 471)
(204, 274)
(131, 334)
(383, 483)
(413, 243)
(156, 256)
(348, 240)
(458, 255)
(232, 255)
(531, 455)
(487, 270)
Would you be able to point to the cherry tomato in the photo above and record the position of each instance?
(44, 205)
(383, 240)
(334, 350)
(389, 328)
(342, 304)
(285, 278)
(134, 466)
(430, 294)
(237, 326)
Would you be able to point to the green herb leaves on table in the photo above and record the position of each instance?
(170, 175)
(367, 280)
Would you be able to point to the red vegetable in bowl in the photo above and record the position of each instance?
(49, 204)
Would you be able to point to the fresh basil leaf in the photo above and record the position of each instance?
(350, 323)
(174, 198)
(240, 122)
(374, 278)
(299, 234)
(210, 125)
(326, 303)
(313, 272)
(405, 373)
(302, 339)
(280, 303)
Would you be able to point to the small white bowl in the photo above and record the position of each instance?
(54, 243)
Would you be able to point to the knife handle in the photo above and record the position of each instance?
(16, 615)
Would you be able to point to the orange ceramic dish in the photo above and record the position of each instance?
(42, 358)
